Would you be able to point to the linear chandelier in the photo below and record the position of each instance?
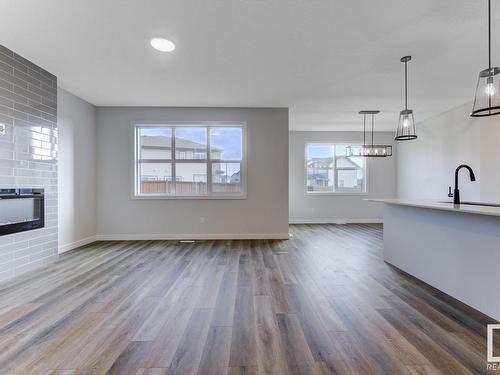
(369, 150)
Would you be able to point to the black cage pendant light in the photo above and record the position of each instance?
(369, 150)
(406, 127)
(487, 98)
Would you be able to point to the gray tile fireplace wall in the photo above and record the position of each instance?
(28, 156)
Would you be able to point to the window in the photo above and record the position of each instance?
(329, 169)
(173, 160)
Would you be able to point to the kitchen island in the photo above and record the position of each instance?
(455, 249)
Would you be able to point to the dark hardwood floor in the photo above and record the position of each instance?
(323, 302)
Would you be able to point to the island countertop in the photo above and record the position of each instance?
(422, 203)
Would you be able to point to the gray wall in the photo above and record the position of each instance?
(28, 108)
(426, 166)
(263, 214)
(77, 171)
(339, 208)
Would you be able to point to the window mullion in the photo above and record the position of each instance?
(137, 177)
(209, 163)
(174, 173)
(334, 167)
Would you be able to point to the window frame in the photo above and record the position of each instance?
(136, 160)
(347, 193)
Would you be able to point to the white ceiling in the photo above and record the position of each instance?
(325, 59)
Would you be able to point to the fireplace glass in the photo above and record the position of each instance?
(21, 210)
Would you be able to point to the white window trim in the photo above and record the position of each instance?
(201, 124)
(345, 193)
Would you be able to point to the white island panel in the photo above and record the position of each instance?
(452, 250)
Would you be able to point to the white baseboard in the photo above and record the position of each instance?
(74, 245)
(193, 236)
(335, 221)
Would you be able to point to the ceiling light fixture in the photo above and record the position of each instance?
(369, 150)
(406, 130)
(487, 98)
(162, 44)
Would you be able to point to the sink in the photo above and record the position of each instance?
(476, 204)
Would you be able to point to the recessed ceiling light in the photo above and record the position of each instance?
(162, 44)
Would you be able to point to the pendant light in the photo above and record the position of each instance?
(369, 150)
(406, 127)
(487, 98)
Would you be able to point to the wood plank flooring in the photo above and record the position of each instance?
(323, 302)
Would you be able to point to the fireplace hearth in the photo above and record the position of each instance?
(21, 210)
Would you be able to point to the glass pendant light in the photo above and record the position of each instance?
(406, 127)
(369, 150)
(487, 98)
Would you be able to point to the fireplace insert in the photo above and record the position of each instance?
(21, 210)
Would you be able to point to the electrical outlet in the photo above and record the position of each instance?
(2, 129)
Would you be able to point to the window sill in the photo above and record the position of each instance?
(189, 197)
(336, 193)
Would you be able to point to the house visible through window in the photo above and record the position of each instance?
(194, 160)
(330, 170)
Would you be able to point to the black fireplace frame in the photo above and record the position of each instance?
(38, 195)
